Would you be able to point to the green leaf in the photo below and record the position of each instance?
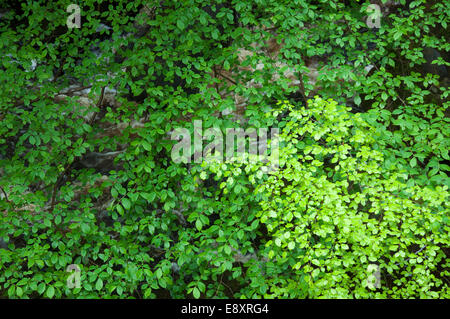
(226, 65)
(41, 288)
(196, 293)
(126, 203)
(149, 196)
(180, 24)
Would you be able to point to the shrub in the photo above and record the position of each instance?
(332, 210)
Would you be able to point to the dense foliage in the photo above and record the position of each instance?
(332, 211)
(87, 178)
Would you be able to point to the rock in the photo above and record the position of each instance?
(82, 108)
(430, 55)
(102, 162)
(3, 244)
(105, 216)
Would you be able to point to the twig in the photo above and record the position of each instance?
(75, 90)
(180, 216)
(227, 78)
